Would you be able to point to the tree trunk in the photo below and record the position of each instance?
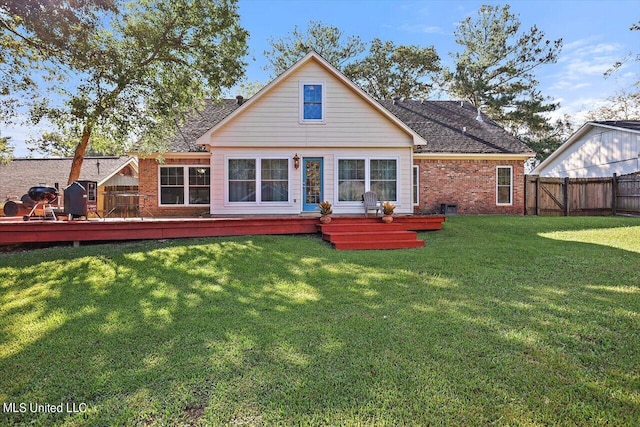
(78, 156)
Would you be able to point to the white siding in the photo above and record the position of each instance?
(271, 127)
(220, 205)
(601, 152)
(273, 120)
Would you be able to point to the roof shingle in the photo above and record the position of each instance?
(452, 127)
(19, 175)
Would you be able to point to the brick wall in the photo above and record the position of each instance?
(148, 184)
(470, 184)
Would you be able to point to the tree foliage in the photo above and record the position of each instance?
(326, 40)
(495, 70)
(389, 70)
(6, 150)
(624, 105)
(123, 71)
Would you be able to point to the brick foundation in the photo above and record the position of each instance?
(470, 184)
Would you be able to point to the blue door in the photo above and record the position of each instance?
(312, 189)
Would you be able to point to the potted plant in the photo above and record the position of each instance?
(325, 212)
(387, 210)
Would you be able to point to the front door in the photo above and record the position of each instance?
(312, 190)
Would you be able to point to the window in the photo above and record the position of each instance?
(383, 179)
(355, 176)
(242, 180)
(351, 180)
(176, 190)
(312, 102)
(275, 180)
(504, 188)
(416, 185)
(258, 180)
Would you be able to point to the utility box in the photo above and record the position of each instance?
(448, 209)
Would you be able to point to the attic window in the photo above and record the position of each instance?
(312, 105)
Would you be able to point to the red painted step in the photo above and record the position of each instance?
(387, 244)
(372, 236)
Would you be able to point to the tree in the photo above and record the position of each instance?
(624, 105)
(630, 57)
(495, 71)
(328, 41)
(6, 150)
(389, 70)
(130, 71)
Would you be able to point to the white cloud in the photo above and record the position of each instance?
(422, 28)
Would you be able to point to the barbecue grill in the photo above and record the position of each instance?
(41, 197)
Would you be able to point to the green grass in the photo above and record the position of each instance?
(496, 321)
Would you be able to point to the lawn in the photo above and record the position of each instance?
(496, 321)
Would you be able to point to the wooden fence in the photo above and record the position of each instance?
(582, 196)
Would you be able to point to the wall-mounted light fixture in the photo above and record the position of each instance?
(296, 161)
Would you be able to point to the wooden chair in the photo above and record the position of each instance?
(370, 201)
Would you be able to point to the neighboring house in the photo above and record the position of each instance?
(597, 149)
(312, 135)
(113, 174)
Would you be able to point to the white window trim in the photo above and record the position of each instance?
(415, 175)
(301, 118)
(367, 178)
(258, 201)
(185, 186)
(510, 186)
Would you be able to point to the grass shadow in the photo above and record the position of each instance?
(488, 323)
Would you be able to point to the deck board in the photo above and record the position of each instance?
(39, 231)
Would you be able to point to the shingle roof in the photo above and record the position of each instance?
(451, 127)
(447, 126)
(198, 123)
(625, 124)
(21, 174)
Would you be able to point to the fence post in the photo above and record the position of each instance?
(537, 186)
(565, 196)
(614, 192)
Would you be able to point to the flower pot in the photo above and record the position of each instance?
(387, 219)
(325, 219)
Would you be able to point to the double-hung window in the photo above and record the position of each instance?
(185, 185)
(258, 180)
(504, 185)
(356, 176)
(312, 102)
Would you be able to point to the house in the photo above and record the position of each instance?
(597, 149)
(313, 135)
(113, 174)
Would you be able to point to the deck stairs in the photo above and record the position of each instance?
(372, 233)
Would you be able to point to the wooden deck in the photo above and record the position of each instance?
(17, 231)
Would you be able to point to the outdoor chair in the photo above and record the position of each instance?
(370, 201)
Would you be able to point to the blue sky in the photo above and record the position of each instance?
(596, 34)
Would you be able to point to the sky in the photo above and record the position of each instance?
(595, 35)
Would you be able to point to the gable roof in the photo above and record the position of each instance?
(313, 56)
(19, 175)
(446, 127)
(452, 127)
(631, 126)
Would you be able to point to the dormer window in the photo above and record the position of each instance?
(312, 102)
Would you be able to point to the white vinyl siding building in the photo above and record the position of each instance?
(597, 149)
(314, 112)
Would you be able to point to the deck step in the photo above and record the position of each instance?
(386, 244)
(360, 227)
(371, 236)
